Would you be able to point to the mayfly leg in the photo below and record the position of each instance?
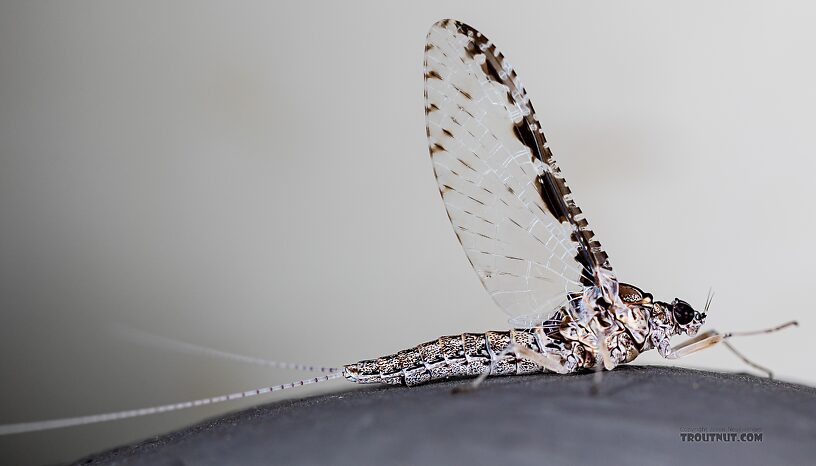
(602, 352)
(544, 360)
(707, 340)
(748, 361)
(710, 338)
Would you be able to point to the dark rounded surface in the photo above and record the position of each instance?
(637, 418)
(683, 312)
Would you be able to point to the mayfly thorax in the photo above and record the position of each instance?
(528, 241)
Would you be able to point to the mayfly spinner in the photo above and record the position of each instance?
(526, 238)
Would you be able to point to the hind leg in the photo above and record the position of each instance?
(549, 361)
(601, 352)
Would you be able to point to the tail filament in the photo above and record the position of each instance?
(82, 420)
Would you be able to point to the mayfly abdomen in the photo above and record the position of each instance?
(468, 354)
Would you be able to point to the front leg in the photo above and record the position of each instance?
(710, 338)
(692, 345)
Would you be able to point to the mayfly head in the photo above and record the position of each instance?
(686, 319)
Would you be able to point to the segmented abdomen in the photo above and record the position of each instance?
(468, 354)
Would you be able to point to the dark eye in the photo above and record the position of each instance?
(683, 313)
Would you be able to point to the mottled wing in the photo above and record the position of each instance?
(505, 196)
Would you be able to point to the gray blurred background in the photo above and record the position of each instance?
(255, 178)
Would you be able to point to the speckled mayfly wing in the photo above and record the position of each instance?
(505, 196)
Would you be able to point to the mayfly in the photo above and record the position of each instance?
(528, 241)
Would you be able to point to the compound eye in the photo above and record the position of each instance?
(683, 313)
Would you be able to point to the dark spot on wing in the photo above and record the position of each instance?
(465, 110)
(435, 147)
(480, 202)
(581, 258)
(554, 201)
(478, 216)
(460, 227)
(447, 133)
(465, 164)
(433, 75)
(464, 93)
(471, 49)
(582, 224)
